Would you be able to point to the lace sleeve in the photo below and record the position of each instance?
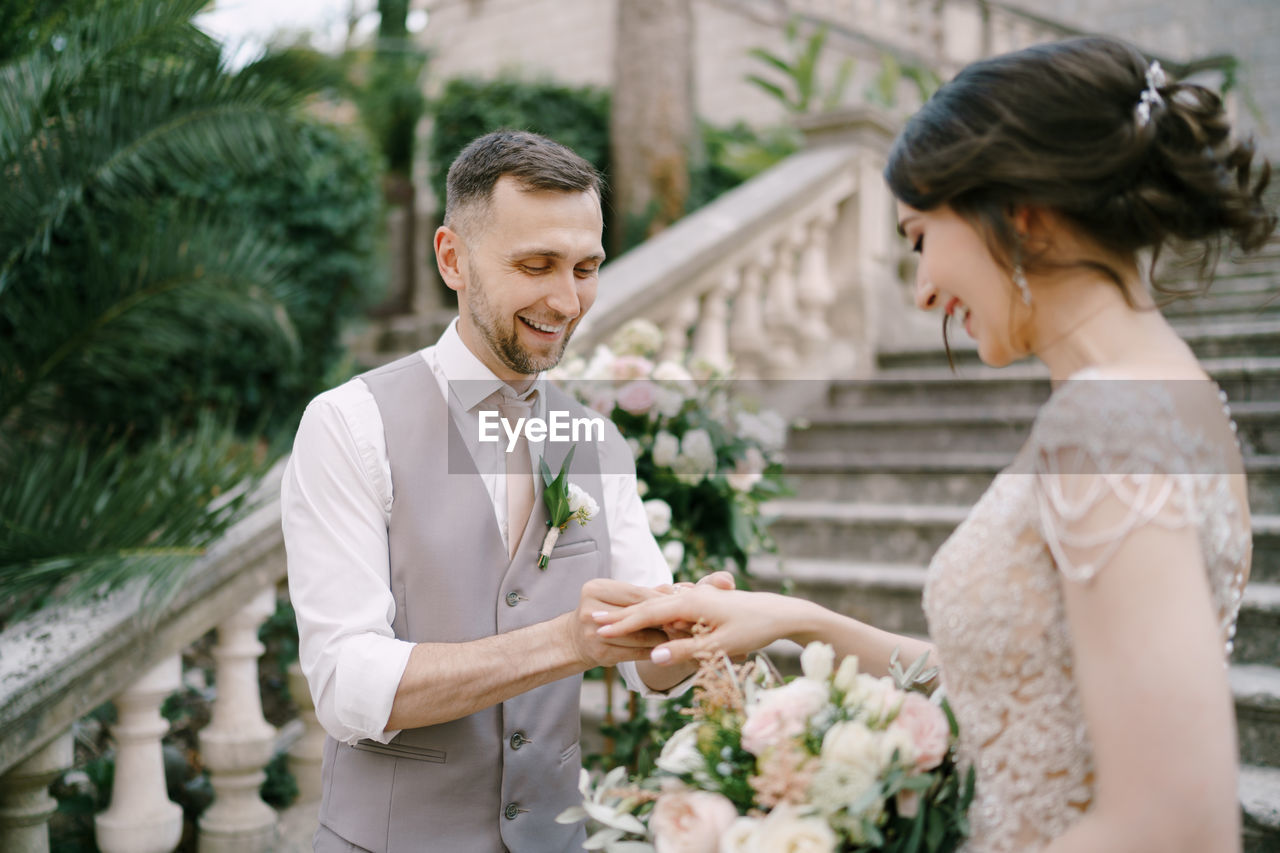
(1109, 458)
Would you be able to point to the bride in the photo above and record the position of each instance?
(1081, 616)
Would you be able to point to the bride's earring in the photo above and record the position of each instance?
(1020, 279)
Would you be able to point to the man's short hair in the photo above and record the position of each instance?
(535, 161)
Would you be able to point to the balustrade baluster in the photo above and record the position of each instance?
(816, 292)
(675, 331)
(782, 316)
(25, 804)
(711, 335)
(141, 817)
(306, 755)
(238, 742)
(747, 336)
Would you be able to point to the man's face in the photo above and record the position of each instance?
(530, 274)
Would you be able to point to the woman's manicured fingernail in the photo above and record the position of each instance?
(660, 655)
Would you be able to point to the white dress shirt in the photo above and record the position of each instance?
(335, 504)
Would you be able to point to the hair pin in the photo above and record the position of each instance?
(1151, 96)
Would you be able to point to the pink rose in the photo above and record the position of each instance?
(782, 713)
(690, 822)
(637, 398)
(626, 367)
(927, 726)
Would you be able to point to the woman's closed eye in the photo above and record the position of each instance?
(918, 246)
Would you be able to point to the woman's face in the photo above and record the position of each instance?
(958, 276)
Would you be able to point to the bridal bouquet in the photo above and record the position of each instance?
(834, 760)
(706, 456)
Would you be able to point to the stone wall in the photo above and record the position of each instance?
(572, 41)
(1186, 29)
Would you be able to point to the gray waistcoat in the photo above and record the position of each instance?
(496, 778)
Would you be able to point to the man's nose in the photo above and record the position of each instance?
(926, 294)
(563, 298)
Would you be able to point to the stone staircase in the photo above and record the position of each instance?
(887, 468)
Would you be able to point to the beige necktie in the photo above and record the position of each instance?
(519, 469)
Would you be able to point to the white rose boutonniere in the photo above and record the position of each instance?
(565, 502)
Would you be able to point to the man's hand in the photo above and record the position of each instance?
(602, 595)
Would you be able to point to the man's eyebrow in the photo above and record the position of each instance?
(555, 254)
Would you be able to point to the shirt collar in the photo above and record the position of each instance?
(468, 377)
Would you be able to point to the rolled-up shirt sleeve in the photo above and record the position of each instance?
(635, 554)
(335, 499)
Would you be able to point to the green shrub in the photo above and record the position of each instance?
(467, 108)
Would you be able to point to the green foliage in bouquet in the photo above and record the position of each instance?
(833, 760)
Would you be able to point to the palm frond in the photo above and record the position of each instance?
(77, 519)
(185, 264)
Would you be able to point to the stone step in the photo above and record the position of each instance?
(910, 534)
(1247, 303)
(975, 427)
(943, 477)
(1260, 803)
(1209, 337)
(888, 596)
(1028, 383)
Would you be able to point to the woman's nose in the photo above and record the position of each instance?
(926, 295)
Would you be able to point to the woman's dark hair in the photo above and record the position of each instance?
(1057, 126)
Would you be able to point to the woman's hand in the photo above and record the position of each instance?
(738, 622)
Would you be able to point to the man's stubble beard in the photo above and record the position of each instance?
(506, 347)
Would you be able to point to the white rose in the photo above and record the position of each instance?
(667, 402)
(680, 754)
(579, 500)
(748, 471)
(673, 553)
(817, 660)
(638, 337)
(669, 371)
(847, 673)
(854, 746)
(697, 445)
(740, 837)
(659, 515)
(784, 830)
(876, 699)
(637, 450)
(601, 364)
(642, 488)
(666, 447)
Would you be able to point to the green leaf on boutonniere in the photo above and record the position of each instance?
(556, 497)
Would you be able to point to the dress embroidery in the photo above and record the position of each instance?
(993, 597)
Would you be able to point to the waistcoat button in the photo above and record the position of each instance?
(511, 811)
(513, 598)
(518, 740)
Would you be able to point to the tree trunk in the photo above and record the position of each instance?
(652, 126)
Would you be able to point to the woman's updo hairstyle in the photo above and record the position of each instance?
(1057, 126)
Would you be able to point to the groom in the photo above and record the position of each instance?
(444, 663)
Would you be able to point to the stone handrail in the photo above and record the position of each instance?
(61, 663)
(777, 278)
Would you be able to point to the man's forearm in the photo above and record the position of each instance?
(446, 681)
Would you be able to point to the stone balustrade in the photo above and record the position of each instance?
(783, 277)
(62, 663)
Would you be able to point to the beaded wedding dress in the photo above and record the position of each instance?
(1150, 452)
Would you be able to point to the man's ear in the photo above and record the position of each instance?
(450, 257)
